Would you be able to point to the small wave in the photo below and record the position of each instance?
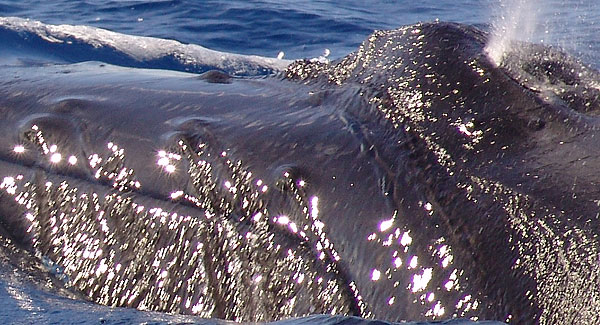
(77, 43)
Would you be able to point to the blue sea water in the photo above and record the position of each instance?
(305, 28)
(301, 28)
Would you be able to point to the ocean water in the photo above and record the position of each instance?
(241, 38)
(299, 28)
(304, 29)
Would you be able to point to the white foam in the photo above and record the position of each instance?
(144, 48)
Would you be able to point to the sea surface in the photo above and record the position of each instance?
(272, 32)
(306, 28)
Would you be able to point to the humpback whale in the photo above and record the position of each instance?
(414, 179)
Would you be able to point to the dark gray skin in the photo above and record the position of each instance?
(447, 186)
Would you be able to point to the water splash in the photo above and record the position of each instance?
(518, 20)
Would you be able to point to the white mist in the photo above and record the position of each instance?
(517, 20)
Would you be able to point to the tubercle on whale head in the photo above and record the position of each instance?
(402, 72)
(381, 51)
(388, 67)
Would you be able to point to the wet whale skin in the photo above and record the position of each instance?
(413, 179)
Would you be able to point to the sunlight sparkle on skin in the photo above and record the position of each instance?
(414, 261)
(463, 129)
(314, 207)
(428, 206)
(176, 194)
(293, 227)
(420, 281)
(386, 224)
(375, 275)
(397, 262)
(284, 220)
(430, 296)
(72, 160)
(163, 161)
(55, 158)
(95, 160)
(19, 149)
(406, 239)
(438, 310)
(8, 181)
